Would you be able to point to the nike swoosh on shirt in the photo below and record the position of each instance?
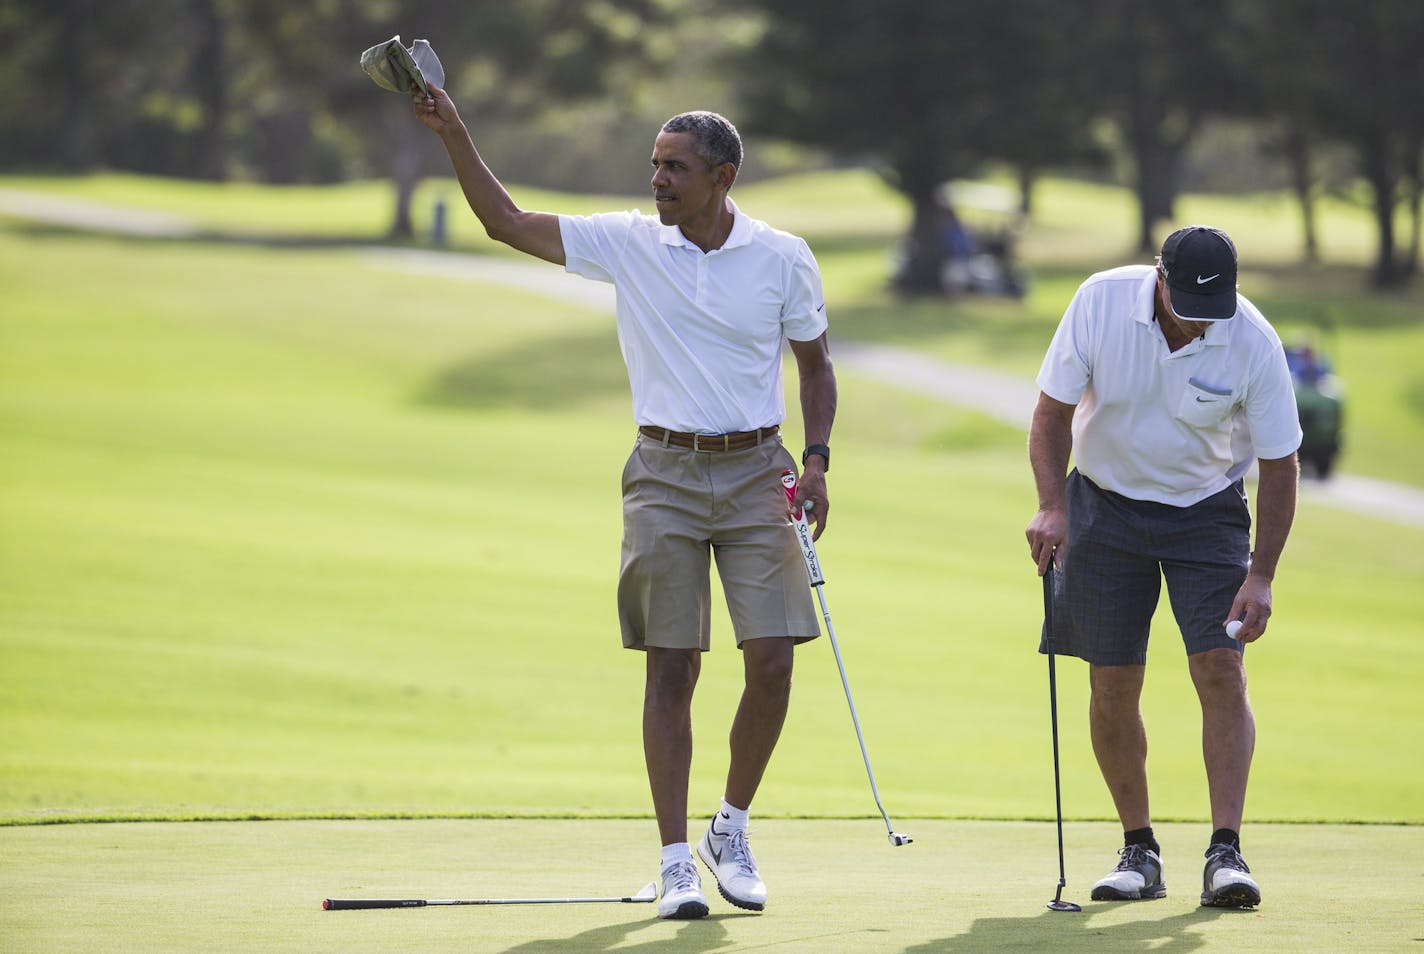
(821, 306)
(1203, 281)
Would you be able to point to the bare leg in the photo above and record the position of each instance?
(1228, 731)
(667, 735)
(1120, 739)
(760, 716)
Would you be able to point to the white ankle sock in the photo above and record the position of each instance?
(732, 816)
(678, 851)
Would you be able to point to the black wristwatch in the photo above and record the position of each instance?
(820, 449)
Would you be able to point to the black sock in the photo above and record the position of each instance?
(1141, 836)
(1225, 836)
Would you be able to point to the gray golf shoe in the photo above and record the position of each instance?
(728, 856)
(1226, 881)
(682, 898)
(1137, 877)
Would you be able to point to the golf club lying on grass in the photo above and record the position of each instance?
(1057, 904)
(813, 570)
(647, 895)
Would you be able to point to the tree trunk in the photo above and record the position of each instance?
(1159, 163)
(210, 84)
(917, 178)
(1415, 164)
(1297, 149)
(1027, 176)
(407, 178)
(1381, 177)
(407, 139)
(77, 87)
(924, 251)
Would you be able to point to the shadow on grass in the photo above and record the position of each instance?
(704, 935)
(1054, 931)
(707, 934)
(551, 373)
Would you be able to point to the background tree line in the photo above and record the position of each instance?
(566, 93)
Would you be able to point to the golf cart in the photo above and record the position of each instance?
(978, 227)
(1319, 399)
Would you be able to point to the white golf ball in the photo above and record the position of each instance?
(1233, 627)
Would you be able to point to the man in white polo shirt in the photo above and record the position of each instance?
(705, 296)
(1163, 383)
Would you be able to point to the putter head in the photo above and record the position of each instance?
(1056, 905)
(898, 839)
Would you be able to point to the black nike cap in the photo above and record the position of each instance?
(1200, 265)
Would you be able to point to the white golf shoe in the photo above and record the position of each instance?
(728, 856)
(1137, 877)
(1226, 881)
(682, 898)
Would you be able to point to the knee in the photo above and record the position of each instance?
(768, 668)
(671, 677)
(1115, 688)
(1219, 671)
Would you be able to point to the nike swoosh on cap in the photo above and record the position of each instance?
(1203, 281)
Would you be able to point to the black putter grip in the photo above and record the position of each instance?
(353, 904)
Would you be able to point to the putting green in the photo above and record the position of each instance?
(835, 886)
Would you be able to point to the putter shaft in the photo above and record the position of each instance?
(896, 838)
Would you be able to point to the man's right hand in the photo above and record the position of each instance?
(1047, 532)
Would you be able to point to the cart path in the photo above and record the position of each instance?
(1001, 396)
(1004, 397)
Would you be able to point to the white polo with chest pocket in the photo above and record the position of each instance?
(1168, 426)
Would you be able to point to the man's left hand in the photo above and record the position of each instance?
(1253, 607)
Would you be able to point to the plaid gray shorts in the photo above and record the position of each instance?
(1118, 552)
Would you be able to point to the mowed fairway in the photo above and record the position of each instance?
(286, 535)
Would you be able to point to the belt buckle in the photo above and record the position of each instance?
(698, 446)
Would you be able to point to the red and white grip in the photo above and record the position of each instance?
(803, 530)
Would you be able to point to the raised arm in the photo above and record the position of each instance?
(1050, 443)
(818, 413)
(536, 233)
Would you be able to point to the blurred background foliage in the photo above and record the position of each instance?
(1311, 96)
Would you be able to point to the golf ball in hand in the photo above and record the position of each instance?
(1233, 627)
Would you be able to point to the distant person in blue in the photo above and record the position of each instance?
(705, 297)
(1152, 382)
(958, 247)
(1305, 364)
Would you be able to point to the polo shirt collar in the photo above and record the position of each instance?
(1144, 303)
(741, 233)
(1144, 306)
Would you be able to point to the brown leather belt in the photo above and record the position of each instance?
(708, 442)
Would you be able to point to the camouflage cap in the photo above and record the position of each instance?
(397, 69)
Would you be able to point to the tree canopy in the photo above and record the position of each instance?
(926, 92)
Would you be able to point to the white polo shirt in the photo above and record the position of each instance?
(1154, 424)
(701, 331)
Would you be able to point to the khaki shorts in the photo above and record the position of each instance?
(681, 508)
